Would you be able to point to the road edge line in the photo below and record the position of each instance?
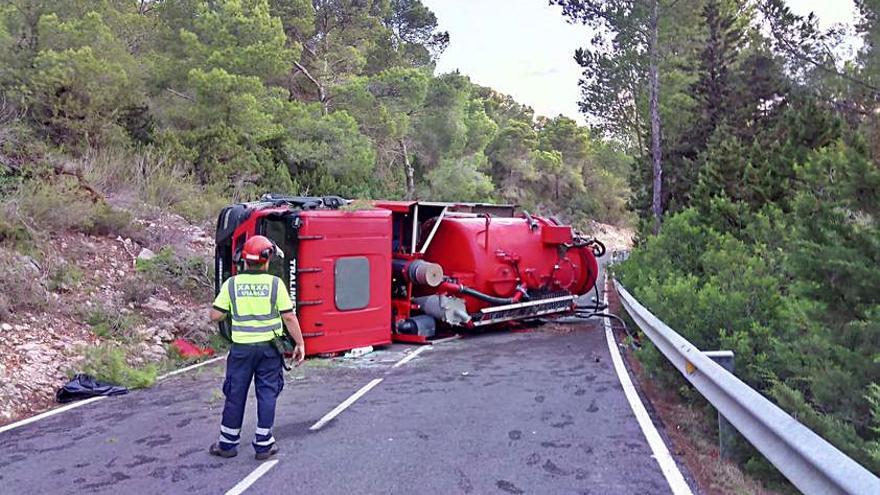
(251, 478)
(664, 459)
(50, 412)
(190, 367)
(345, 404)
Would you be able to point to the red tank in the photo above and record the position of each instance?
(502, 257)
(409, 270)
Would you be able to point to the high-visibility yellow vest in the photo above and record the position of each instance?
(255, 303)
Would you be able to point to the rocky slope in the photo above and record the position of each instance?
(85, 291)
(615, 238)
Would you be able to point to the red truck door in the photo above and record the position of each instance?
(342, 279)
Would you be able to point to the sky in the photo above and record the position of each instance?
(524, 48)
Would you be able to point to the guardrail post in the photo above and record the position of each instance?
(726, 431)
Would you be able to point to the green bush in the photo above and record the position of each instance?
(22, 288)
(220, 345)
(154, 176)
(12, 232)
(107, 363)
(110, 323)
(724, 292)
(109, 221)
(63, 277)
(57, 205)
(182, 272)
(201, 207)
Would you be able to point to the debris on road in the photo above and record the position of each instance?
(358, 352)
(84, 386)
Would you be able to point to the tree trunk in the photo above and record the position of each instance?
(656, 153)
(410, 173)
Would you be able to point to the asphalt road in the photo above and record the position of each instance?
(532, 412)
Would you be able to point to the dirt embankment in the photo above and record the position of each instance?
(86, 291)
(615, 238)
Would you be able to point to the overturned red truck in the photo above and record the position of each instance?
(410, 271)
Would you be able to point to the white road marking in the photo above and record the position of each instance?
(447, 339)
(252, 478)
(50, 413)
(191, 367)
(409, 357)
(661, 453)
(81, 403)
(366, 388)
(342, 407)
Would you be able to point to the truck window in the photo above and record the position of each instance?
(352, 281)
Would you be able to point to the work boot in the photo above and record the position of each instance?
(216, 450)
(262, 456)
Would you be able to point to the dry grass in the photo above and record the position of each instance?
(152, 177)
(60, 205)
(55, 206)
(22, 288)
(694, 438)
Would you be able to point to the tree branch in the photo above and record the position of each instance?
(789, 47)
(322, 95)
(180, 95)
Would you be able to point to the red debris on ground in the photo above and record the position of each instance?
(189, 350)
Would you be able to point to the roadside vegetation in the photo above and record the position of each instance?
(770, 195)
(119, 117)
(188, 105)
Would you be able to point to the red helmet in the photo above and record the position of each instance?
(258, 249)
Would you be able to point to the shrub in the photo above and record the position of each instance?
(63, 277)
(739, 291)
(5, 307)
(138, 290)
(201, 207)
(109, 221)
(155, 177)
(167, 268)
(112, 324)
(22, 288)
(12, 233)
(62, 205)
(56, 206)
(220, 344)
(107, 363)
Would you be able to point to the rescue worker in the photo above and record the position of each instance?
(259, 307)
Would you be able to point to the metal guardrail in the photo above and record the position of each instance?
(812, 464)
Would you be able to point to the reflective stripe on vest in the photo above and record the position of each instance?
(254, 301)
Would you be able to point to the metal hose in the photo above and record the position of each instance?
(497, 301)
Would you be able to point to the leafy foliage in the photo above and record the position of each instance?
(771, 241)
(234, 98)
(106, 362)
(172, 269)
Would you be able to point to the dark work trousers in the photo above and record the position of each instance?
(261, 364)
